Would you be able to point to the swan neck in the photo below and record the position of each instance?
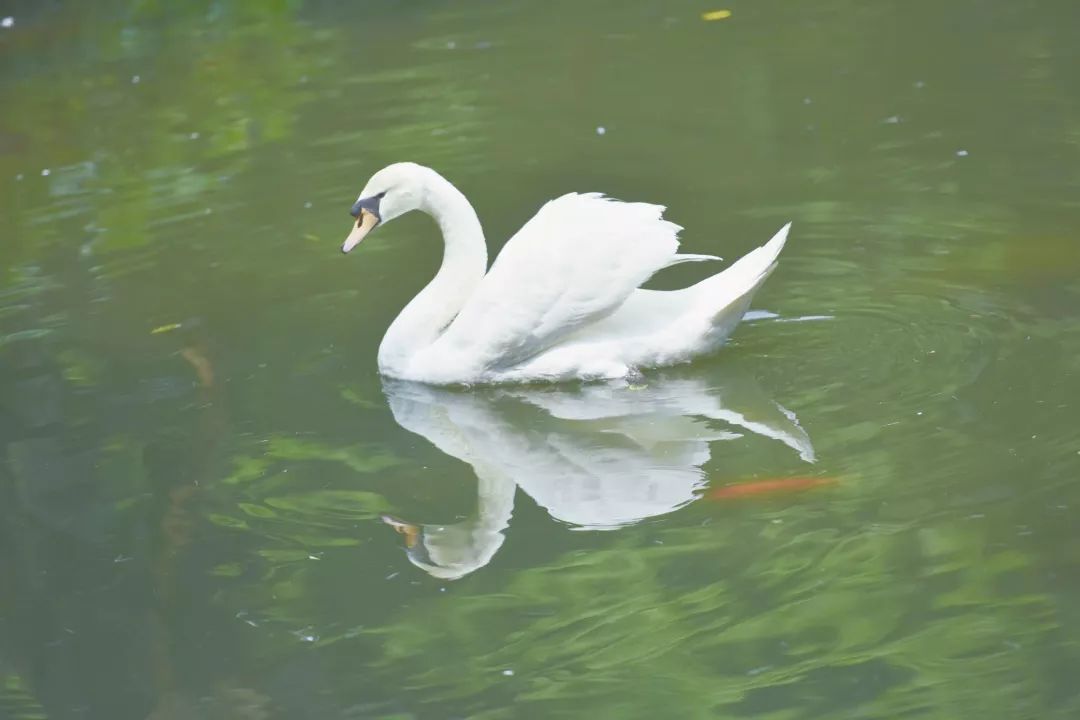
(463, 266)
(462, 233)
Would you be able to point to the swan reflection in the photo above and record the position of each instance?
(595, 457)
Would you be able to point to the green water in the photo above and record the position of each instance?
(191, 520)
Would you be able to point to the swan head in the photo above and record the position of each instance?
(390, 193)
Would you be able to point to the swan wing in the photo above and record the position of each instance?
(576, 261)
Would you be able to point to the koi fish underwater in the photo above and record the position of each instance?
(769, 488)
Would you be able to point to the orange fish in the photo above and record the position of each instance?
(774, 486)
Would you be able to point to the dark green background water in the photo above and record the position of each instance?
(190, 519)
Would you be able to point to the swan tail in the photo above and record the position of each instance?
(759, 261)
(726, 296)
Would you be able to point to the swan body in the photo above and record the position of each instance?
(563, 299)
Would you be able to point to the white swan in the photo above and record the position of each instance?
(562, 301)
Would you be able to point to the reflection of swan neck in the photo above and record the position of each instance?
(463, 267)
(494, 501)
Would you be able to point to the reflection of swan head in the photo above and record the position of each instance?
(410, 531)
(595, 457)
(447, 552)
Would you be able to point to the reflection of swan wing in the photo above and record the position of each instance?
(669, 408)
(744, 404)
(600, 481)
(782, 426)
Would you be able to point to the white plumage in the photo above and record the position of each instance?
(563, 299)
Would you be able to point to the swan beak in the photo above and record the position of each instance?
(410, 531)
(365, 223)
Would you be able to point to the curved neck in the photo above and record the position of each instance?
(463, 267)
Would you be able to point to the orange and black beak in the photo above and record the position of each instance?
(366, 212)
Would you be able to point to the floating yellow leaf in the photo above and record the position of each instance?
(716, 15)
(165, 328)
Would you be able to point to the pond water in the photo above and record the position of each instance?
(863, 506)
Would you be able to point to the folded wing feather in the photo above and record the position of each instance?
(575, 262)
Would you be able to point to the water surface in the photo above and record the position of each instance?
(202, 471)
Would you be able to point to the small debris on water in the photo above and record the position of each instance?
(807, 101)
(508, 672)
(892, 120)
(715, 15)
(307, 205)
(601, 130)
(46, 172)
(7, 22)
(961, 153)
(194, 136)
(135, 79)
(919, 84)
(306, 635)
